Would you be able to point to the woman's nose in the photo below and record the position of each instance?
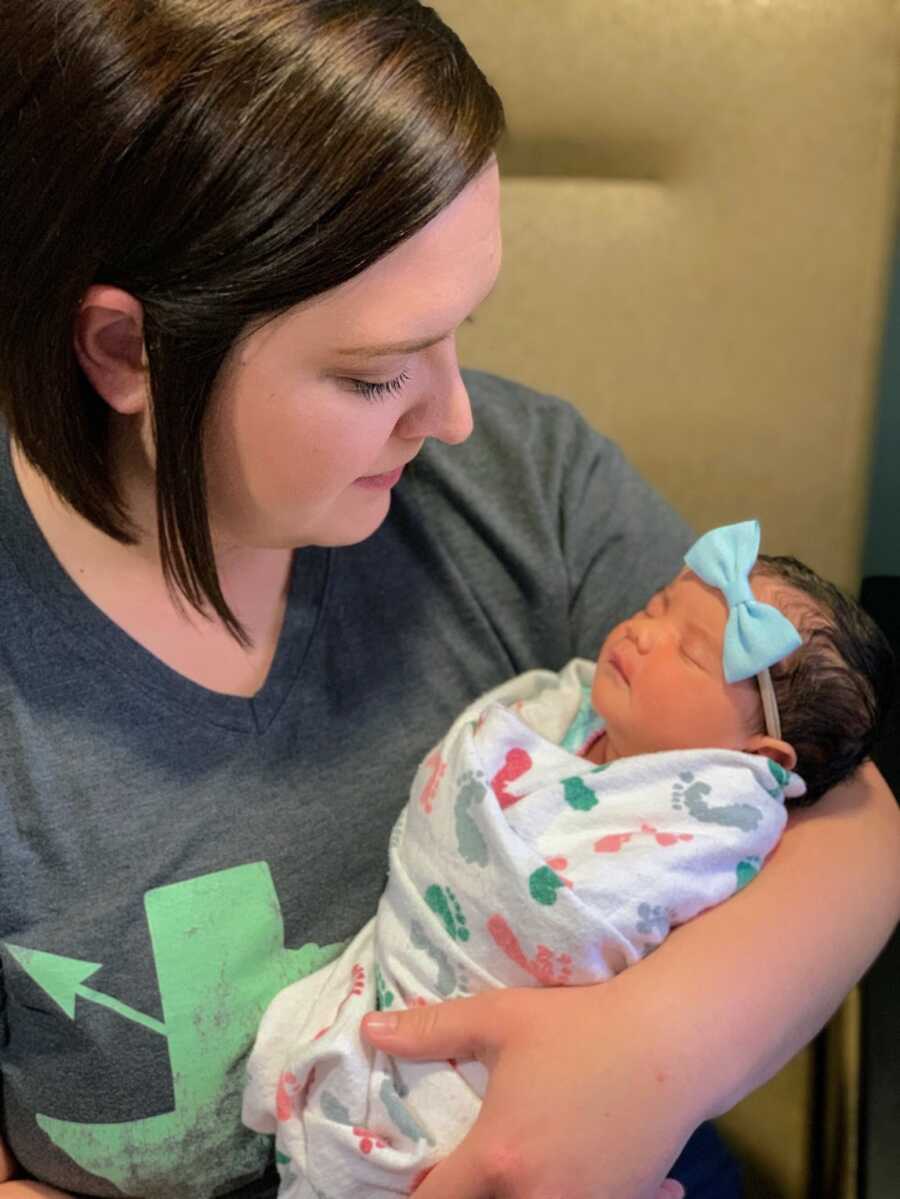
(444, 411)
(453, 422)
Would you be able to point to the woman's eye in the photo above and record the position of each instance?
(372, 390)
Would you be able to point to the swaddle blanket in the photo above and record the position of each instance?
(515, 862)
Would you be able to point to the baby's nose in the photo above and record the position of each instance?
(641, 631)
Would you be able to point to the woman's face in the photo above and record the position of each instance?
(311, 427)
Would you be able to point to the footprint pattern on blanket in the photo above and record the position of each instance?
(781, 777)
(383, 997)
(578, 795)
(444, 903)
(691, 793)
(516, 763)
(366, 1138)
(653, 920)
(549, 968)
(452, 980)
(286, 1173)
(747, 870)
(471, 843)
(543, 885)
(400, 1114)
(436, 767)
(291, 1094)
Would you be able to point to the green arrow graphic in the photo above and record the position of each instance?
(220, 957)
(63, 980)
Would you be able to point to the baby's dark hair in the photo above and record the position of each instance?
(834, 692)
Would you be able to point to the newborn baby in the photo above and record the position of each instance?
(566, 822)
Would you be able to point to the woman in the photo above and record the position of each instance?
(231, 625)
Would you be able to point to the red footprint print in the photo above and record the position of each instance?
(290, 1096)
(437, 767)
(288, 1086)
(549, 968)
(558, 865)
(357, 986)
(666, 839)
(516, 763)
(612, 842)
(369, 1140)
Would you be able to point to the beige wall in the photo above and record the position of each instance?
(698, 203)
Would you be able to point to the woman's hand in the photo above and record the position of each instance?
(580, 1104)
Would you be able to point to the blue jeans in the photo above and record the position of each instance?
(707, 1169)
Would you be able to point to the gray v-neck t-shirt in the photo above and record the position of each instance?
(170, 857)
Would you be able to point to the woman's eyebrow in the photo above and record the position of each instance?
(400, 347)
(403, 347)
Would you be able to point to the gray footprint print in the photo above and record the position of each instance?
(450, 980)
(691, 793)
(472, 844)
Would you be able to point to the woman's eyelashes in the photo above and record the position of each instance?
(373, 390)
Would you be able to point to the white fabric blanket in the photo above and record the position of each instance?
(515, 862)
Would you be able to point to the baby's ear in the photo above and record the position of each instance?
(781, 752)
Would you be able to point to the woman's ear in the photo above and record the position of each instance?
(781, 752)
(109, 345)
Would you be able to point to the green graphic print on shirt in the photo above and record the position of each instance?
(218, 946)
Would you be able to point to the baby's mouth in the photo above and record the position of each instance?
(617, 665)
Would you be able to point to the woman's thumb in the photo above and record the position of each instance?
(455, 1029)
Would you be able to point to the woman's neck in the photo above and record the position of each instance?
(126, 582)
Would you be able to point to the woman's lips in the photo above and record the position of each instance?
(381, 482)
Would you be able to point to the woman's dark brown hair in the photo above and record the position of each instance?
(222, 161)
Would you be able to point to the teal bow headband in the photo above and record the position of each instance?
(756, 635)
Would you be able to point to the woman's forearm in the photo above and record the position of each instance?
(747, 984)
(29, 1190)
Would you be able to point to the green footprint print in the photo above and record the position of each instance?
(747, 870)
(578, 796)
(543, 885)
(444, 903)
(383, 997)
(781, 777)
(285, 1170)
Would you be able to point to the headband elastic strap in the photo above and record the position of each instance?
(769, 703)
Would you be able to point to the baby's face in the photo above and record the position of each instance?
(659, 682)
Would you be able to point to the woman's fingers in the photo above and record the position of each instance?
(574, 1134)
(671, 1189)
(457, 1028)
